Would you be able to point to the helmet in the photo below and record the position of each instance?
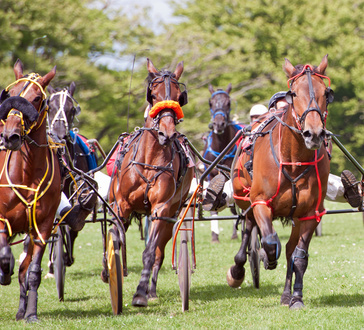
(277, 96)
(258, 109)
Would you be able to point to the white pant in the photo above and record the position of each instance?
(103, 182)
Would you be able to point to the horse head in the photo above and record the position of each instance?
(309, 97)
(62, 110)
(23, 106)
(166, 99)
(219, 109)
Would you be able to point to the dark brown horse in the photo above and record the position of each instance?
(223, 130)
(63, 109)
(30, 182)
(291, 168)
(153, 176)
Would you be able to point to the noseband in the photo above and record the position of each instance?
(220, 110)
(308, 70)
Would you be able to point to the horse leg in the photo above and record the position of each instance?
(32, 279)
(7, 262)
(236, 273)
(71, 237)
(161, 232)
(23, 300)
(271, 246)
(299, 262)
(163, 238)
(290, 247)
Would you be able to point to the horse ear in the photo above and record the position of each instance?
(323, 65)
(179, 70)
(18, 69)
(211, 89)
(150, 66)
(228, 89)
(288, 68)
(72, 88)
(48, 77)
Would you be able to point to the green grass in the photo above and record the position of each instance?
(333, 286)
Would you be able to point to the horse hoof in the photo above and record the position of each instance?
(285, 299)
(296, 303)
(152, 296)
(104, 277)
(32, 319)
(20, 315)
(232, 281)
(139, 300)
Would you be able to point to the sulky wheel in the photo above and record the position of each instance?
(115, 272)
(184, 271)
(58, 264)
(254, 258)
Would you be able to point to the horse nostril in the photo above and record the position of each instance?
(306, 134)
(174, 136)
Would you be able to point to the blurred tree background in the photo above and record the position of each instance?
(243, 42)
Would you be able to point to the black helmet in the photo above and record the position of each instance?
(277, 96)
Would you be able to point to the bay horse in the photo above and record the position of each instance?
(153, 175)
(63, 109)
(30, 182)
(288, 179)
(223, 130)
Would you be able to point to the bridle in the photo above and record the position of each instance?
(219, 110)
(43, 108)
(300, 120)
(168, 79)
(61, 113)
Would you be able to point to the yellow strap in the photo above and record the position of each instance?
(8, 225)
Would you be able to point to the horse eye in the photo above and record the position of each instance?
(37, 99)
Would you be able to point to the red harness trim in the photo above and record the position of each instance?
(168, 104)
(318, 215)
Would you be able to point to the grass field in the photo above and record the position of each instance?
(333, 286)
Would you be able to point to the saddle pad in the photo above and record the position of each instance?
(82, 143)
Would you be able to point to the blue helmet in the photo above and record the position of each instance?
(277, 96)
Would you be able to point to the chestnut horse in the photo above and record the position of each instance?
(223, 130)
(30, 182)
(153, 175)
(291, 167)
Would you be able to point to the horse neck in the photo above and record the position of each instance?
(40, 138)
(292, 146)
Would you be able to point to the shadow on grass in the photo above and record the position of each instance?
(340, 300)
(220, 291)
